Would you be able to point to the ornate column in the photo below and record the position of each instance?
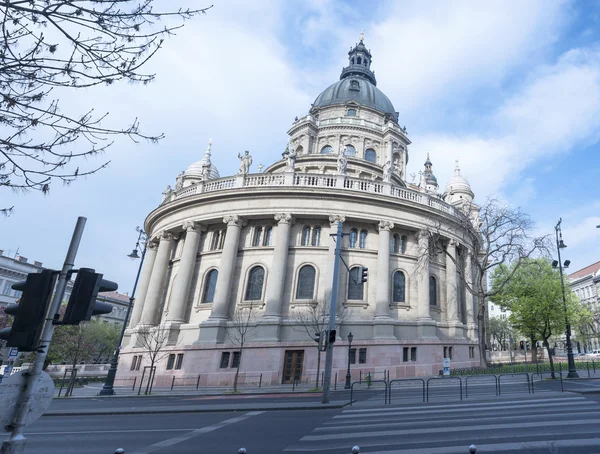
(220, 308)
(181, 290)
(382, 296)
(138, 304)
(157, 279)
(276, 282)
(423, 285)
(451, 288)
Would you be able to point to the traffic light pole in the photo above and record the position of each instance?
(16, 441)
(332, 313)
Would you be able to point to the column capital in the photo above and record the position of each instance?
(191, 226)
(153, 244)
(285, 218)
(385, 225)
(422, 234)
(333, 218)
(452, 243)
(235, 220)
(167, 236)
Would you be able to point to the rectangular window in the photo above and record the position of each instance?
(445, 352)
(170, 361)
(179, 361)
(134, 362)
(413, 353)
(139, 363)
(450, 352)
(362, 356)
(236, 359)
(405, 354)
(352, 356)
(224, 360)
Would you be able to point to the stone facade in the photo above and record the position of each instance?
(217, 244)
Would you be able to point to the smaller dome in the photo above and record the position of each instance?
(198, 168)
(458, 183)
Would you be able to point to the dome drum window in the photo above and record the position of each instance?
(370, 155)
(254, 286)
(262, 236)
(311, 236)
(327, 149)
(350, 150)
(351, 112)
(210, 285)
(356, 288)
(305, 288)
(399, 287)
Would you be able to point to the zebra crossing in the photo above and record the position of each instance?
(556, 425)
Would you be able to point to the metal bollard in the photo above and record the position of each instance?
(472, 449)
(242, 451)
(120, 451)
(356, 450)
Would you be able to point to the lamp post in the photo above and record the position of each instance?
(348, 376)
(561, 245)
(140, 245)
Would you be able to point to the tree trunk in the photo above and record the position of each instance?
(481, 328)
(318, 366)
(547, 345)
(237, 372)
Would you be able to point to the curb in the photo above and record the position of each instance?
(223, 394)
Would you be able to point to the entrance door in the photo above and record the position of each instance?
(292, 366)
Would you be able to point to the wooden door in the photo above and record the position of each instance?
(292, 365)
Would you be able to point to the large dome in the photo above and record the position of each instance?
(355, 89)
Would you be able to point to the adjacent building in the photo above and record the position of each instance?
(585, 283)
(262, 241)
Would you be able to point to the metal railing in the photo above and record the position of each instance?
(355, 450)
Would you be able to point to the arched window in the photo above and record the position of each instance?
(403, 241)
(399, 290)
(316, 236)
(268, 236)
(210, 284)
(370, 155)
(254, 288)
(362, 242)
(217, 240)
(353, 237)
(327, 149)
(396, 243)
(350, 150)
(258, 237)
(359, 61)
(351, 112)
(305, 236)
(306, 283)
(432, 291)
(352, 60)
(299, 150)
(355, 286)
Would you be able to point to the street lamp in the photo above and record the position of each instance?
(141, 244)
(348, 376)
(561, 245)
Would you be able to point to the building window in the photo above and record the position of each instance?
(471, 352)
(256, 278)
(399, 291)
(316, 236)
(362, 243)
(432, 291)
(224, 360)
(352, 238)
(351, 112)
(355, 286)
(352, 356)
(210, 285)
(413, 353)
(350, 150)
(362, 356)
(354, 85)
(403, 241)
(268, 236)
(262, 236)
(370, 155)
(305, 240)
(258, 237)
(448, 352)
(171, 362)
(405, 354)
(135, 363)
(396, 243)
(235, 361)
(306, 283)
(327, 149)
(179, 361)
(217, 240)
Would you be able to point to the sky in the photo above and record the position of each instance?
(509, 88)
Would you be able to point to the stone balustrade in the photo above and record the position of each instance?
(338, 182)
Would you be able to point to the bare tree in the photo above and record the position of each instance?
(153, 340)
(498, 235)
(244, 322)
(52, 45)
(314, 319)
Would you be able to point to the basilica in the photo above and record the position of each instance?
(260, 243)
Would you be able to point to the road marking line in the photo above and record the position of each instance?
(172, 441)
(107, 431)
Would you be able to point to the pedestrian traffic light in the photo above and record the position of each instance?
(521, 345)
(362, 273)
(30, 312)
(332, 336)
(82, 303)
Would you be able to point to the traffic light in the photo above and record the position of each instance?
(362, 274)
(82, 303)
(321, 339)
(30, 313)
(521, 345)
(332, 336)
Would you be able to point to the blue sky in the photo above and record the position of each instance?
(511, 89)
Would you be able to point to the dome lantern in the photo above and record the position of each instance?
(203, 169)
(458, 190)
